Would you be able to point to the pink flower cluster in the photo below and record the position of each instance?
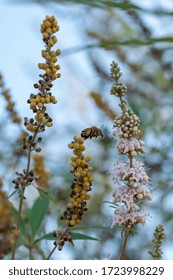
(131, 188)
(122, 216)
(131, 147)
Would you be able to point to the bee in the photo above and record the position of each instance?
(91, 132)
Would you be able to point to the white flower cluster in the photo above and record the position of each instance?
(131, 147)
(122, 216)
(136, 174)
(130, 177)
(131, 188)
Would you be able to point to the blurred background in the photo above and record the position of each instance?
(92, 34)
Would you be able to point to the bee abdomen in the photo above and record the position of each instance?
(91, 132)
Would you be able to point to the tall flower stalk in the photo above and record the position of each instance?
(10, 104)
(79, 196)
(130, 177)
(38, 103)
(157, 242)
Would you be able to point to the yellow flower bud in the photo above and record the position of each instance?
(74, 217)
(58, 67)
(34, 128)
(72, 223)
(37, 100)
(86, 184)
(44, 121)
(48, 71)
(48, 57)
(82, 197)
(51, 43)
(58, 52)
(54, 23)
(52, 53)
(43, 53)
(37, 117)
(40, 65)
(48, 30)
(70, 146)
(45, 66)
(54, 29)
(73, 164)
(32, 105)
(76, 145)
(41, 116)
(88, 196)
(47, 99)
(54, 39)
(49, 124)
(53, 99)
(58, 75)
(54, 76)
(45, 35)
(42, 100)
(77, 174)
(54, 59)
(28, 127)
(40, 105)
(54, 70)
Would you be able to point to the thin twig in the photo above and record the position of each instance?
(48, 258)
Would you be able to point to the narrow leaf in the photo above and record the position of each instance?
(89, 227)
(48, 236)
(112, 44)
(75, 236)
(37, 214)
(80, 236)
(22, 222)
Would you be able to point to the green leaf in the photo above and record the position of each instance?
(80, 236)
(10, 195)
(112, 44)
(48, 236)
(37, 214)
(22, 222)
(47, 194)
(89, 227)
(75, 236)
(135, 42)
(105, 4)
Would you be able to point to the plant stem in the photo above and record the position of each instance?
(48, 258)
(131, 162)
(23, 190)
(65, 231)
(127, 232)
(18, 225)
(124, 245)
